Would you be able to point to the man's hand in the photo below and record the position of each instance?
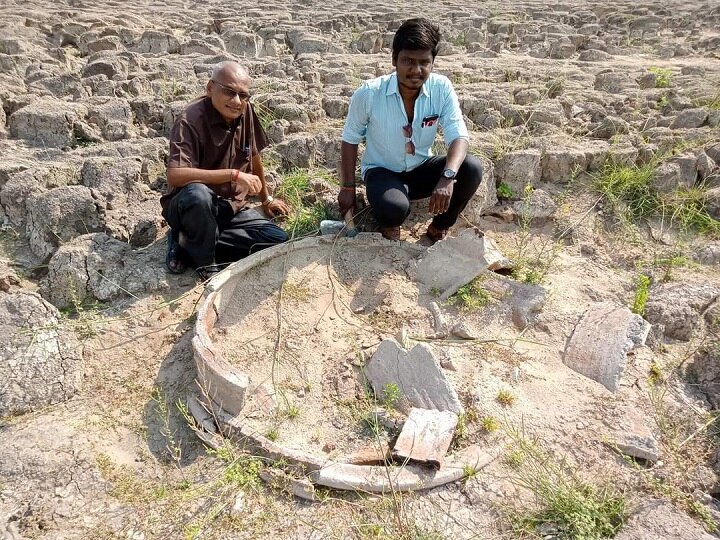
(247, 183)
(440, 198)
(276, 207)
(346, 199)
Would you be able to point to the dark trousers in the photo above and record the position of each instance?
(209, 231)
(389, 193)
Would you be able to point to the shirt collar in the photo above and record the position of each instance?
(393, 87)
(213, 116)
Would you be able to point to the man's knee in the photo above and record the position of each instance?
(392, 209)
(195, 196)
(471, 169)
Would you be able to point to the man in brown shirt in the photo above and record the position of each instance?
(214, 164)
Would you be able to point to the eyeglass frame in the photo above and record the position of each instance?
(409, 144)
(242, 96)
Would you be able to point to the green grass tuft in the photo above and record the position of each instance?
(642, 287)
(470, 297)
(663, 76)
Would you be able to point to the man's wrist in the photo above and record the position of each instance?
(268, 200)
(234, 175)
(348, 187)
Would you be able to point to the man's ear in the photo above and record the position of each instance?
(394, 62)
(208, 88)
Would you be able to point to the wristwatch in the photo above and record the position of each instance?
(449, 174)
(267, 201)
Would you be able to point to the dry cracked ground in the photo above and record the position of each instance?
(598, 124)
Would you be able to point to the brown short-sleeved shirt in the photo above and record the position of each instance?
(202, 139)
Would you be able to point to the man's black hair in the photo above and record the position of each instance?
(416, 35)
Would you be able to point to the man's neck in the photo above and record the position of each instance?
(407, 94)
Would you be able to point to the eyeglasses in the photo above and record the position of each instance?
(230, 93)
(409, 145)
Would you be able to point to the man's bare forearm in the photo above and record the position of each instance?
(259, 171)
(456, 154)
(348, 157)
(182, 176)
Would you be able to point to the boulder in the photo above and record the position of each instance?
(243, 43)
(536, 209)
(614, 82)
(59, 215)
(660, 520)
(48, 122)
(110, 66)
(40, 359)
(155, 41)
(689, 118)
(518, 169)
(559, 165)
(677, 308)
(601, 340)
(95, 266)
(705, 371)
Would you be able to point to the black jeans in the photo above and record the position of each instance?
(389, 193)
(209, 231)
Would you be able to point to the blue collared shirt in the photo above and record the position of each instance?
(377, 114)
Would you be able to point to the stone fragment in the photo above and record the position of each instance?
(238, 507)
(524, 300)
(441, 325)
(610, 126)
(40, 359)
(601, 340)
(372, 454)
(299, 487)
(462, 331)
(676, 308)
(667, 177)
(559, 165)
(417, 374)
(614, 82)
(708, 254)
(633, 438)
(471, 252)
(243, 43)
(594, 55)
(110, 66)
(155, 41)
(425, 437)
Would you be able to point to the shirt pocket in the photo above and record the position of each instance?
(427, 131)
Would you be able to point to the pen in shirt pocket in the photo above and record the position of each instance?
(429, 121)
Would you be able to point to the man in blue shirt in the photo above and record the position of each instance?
(398, 116)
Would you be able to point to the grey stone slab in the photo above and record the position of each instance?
(455, 261)
(602, 338)
(417, 373)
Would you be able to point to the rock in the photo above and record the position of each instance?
(708, 254)
(40, 358)
(594, 55)
(59, 215)
(243, 43)
(712, 202)
(667, 177)
(689, 118)
(238, 507)
(677, 307)
(335, 107)
(440, 325)
(705, 371)
(416, 373)
(660, 520)
(611, 126)
(155, 41)
(113, 116)
(471, 252)
(98, 267)
(299, 487)
(536, 209)
(110, 66)
(614, 82)
(524, 301)
(559, 165)
(369, 42)
(47, 121)
(633, 438)
(601, 340)
(518, 169)
(527, 96)
(485, 197)
(462, 331)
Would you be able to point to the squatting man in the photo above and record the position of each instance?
(214, 164)
(398, 115)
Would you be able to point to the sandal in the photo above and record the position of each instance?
(175, 258)
(436, 234)
(391, 233)
(209, 271)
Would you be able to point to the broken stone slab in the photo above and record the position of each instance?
(301, 488)
(441, 325)
(601, 340)
(524, 300)
(470, 254)
(633, 438)
(417, 374)
(426, 437)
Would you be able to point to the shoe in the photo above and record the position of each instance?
(207, 272)
(391, 233)
(436, 234)
(175, 258)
